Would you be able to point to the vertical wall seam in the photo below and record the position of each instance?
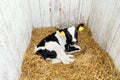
(118, 52)
(119, 49)
(69, 13)
(110, 18)
(60, 15)
(51, 13)
(89, 13)
(78, 12)
(40, 13)
(81, 2)
(113, 38)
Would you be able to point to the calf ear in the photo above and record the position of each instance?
(62, 32)
(80, 27)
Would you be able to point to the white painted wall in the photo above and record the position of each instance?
(104, 21)
(17, 17)
(15, 32)
(59, 12)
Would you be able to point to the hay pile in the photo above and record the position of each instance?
(91, 63)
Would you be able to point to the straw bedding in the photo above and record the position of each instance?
(91, 63)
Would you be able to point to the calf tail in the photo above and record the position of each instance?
(38, 48)
(35, 49)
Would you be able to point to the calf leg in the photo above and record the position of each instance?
(61, 55)
(59, 51)
(56, 60)
(72, 48)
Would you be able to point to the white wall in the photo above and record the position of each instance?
(17, 17)
(15, 32)
(59, 12)
(104, 22)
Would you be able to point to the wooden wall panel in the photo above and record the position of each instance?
(64, 14)
(36, 13)
(17, 17)
(45, 13)
(55, 10)
(104, 22)
(74, 12)
(85, 8)
(115, 48)
(15, 32)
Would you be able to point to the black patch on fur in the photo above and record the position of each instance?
(50, 37)
(69, 48)
(47, 54)
(52, 54)
(69, 38)
(76, 35)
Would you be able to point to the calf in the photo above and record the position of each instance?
(56, 44)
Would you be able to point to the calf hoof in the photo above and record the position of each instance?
(55, 61)
(70, 56)
(78, 47)
(68, 61)
(48, 59)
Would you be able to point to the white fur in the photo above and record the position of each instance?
(59, 49)
(61, 39)
(36, 49)
(54, 61)
(72, 32)
(48, 59)
(70, 56)
(61, 55)
(60, 52)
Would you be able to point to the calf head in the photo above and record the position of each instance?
(71, 33)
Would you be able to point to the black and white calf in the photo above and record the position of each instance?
(56, 45)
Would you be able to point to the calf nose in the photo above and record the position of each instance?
(74, 40)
